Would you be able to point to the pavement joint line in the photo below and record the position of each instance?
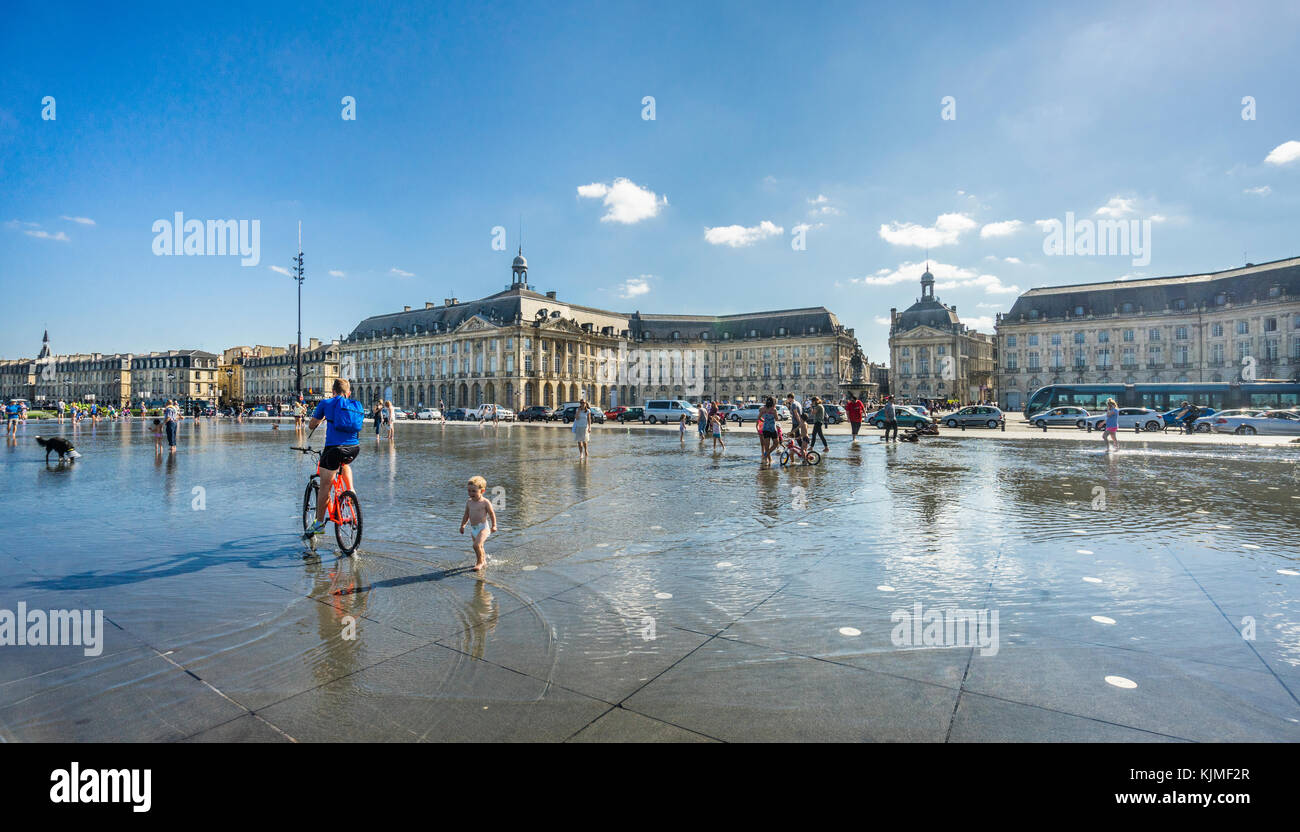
(218, 692)
(961, 687)
(1248, 644)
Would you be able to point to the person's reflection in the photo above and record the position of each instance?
(170, 485)
(481, 617)
(340, 599)
(768, 492)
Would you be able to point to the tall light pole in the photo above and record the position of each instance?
(298, 276)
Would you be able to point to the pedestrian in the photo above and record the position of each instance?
(767, 429)
(681, 427)
(702, 419)
(715, 424)
(172, 415)
(375, 415)
(818, 419)
(582, 427)
(157, 437)
(481, 519)
(854, 408)
(798, 430)
(1111, 433)
(890, 417)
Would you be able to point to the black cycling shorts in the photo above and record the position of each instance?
(335, 456)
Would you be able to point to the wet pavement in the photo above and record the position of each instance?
(661, 591)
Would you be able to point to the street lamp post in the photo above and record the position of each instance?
(298, 276)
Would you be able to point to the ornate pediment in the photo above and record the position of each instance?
(922, 332)
(475, 323)
(562, 325)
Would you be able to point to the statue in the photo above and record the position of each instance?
(857, 362)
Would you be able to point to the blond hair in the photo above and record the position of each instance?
(479, 483)
(342, 386)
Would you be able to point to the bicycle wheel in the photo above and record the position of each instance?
(309, 502)
(785, 458)
(814, 457)
(347, 528)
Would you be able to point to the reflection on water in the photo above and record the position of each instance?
(947, 520)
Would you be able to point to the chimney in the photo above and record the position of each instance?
(428, 305)
(406, 309)
(551, 295)
(313, 343)
(453, 302)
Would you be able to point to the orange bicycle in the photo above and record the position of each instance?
(342, 507)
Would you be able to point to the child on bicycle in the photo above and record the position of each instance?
(478, 514)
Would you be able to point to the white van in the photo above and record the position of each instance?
(669, 410)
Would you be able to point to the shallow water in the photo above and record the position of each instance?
(699, 591)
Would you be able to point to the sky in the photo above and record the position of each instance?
(797, 156)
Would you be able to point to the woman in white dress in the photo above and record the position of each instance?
(582, 427)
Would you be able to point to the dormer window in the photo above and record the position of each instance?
(1180, 303)
(1126, 308)
(726, 336)
(1220, 299)
(753, 333)
(704, 336)
(676, 335)
(780, 330)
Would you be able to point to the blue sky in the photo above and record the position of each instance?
(767, 116)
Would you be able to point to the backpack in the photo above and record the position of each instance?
(348, 415)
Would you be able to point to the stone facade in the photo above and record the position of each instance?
(519, 348)
(188, 376)
(932, 355)
(271, 374)
(1215, 327)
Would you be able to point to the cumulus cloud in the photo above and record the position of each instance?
(279, 269)
(635, 287)
(947, 276)
(400, 273)
(626, 202)
(1116, 208)
(337, 273)
(980, 322)
(1000, 229)
(738, 236)
(945, 231)
(1284, 154)
(1259, 190)
(79, 220)
(882, 320)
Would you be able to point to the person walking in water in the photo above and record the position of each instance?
(854, 409)
(172, 415)
(818, 416)
(582, 427)
(767, 432)
(1111, 434)
(890, 418)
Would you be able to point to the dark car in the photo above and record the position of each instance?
(457, 414)
(834, 414)
(536, 413)
(632, 414)
(568, 414)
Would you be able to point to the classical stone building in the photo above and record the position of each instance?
(271, 374)
(1201, 327)
(519, 347)
(933, 355)
(188, 376)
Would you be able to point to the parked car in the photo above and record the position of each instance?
(570, 412)
(749, 413)
(1205, 424)
(1070, 416)
(429, 414)
(905, 414)
(980, 416)
(1269, 422)
(613, 412)
(536, 413)
(457, 414)
(834, 414)
(487, 412)
(260, 411)
(669, 410)
(1130, 417)
(632, 414)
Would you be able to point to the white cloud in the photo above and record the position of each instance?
(1013, 260)
(945, 231)
(45, 235)
(399, 272)
(635, 287)
(738, 236)
(1117, 207)
(1047, 225)
(989, 305)
(1000, 229)
(882, 320)
(80, 220)
(1284, 154)
(627, 201)
(279, 269)
(946, 276)
(337, 273)
(820, 199)
(1260, 190)
(983, 323)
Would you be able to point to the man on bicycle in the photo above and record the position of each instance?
(346, 418)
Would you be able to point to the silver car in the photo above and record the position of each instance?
(1131, 417)
(981, 415)
(1068, 416)
(1272, 422)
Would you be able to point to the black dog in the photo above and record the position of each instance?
(59, 444)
